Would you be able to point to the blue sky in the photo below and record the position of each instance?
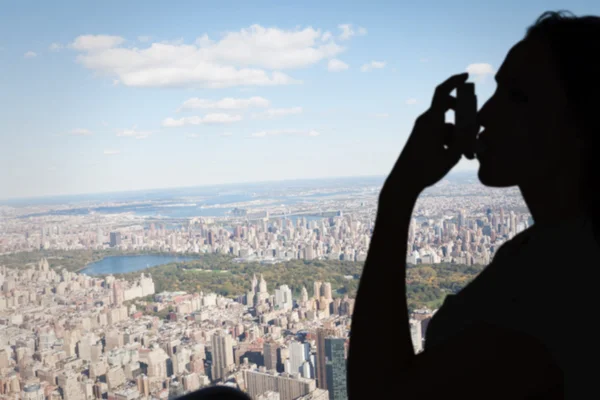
(93, 94)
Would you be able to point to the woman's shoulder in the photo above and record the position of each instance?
(529, 282)
(484, 297)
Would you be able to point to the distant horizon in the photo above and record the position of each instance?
(8, 200)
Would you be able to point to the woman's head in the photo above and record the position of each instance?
(540, 121)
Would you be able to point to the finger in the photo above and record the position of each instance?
(449, 136)
(445, 88)
(444, 103)
(451, 83)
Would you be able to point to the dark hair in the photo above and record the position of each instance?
(575, 46)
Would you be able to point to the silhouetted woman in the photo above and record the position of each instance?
(525, 327)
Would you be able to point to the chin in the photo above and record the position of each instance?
(495, 175)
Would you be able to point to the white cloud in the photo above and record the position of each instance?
(104, 124)
(372, 65)
(217, 118)
(411, 101)
(250, 57)
(96, 42)
(480, 71)
(227, 103)
(277, 112)
(111, 152)
(285, 132)
(336, 65)
(30, 54)
(133, 132)
(55, 47)
(348, 31)
(191, 135)
(80, 132)
(380, 115)
(226, 134)
(144, 39)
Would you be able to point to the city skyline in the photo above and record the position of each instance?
(273, 91)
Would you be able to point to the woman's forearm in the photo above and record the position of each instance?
(380, 336)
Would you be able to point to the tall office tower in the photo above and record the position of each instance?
(283, 298)
(326, 289)
(322, 334)
(211, 238)
(306, 370)
(513, 222)
(222, 355)
(335, 354)
(309, 253)
(270, 355)
(99, 237)
(461, 219)
(118, 292)
(416, 335)
(304, 295)
(115, 239)
(262, 286)
(298, 354)
(501, 222)
(317, 290)
(254, 288)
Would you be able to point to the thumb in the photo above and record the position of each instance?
(452, 153)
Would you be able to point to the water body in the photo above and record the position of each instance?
(144, 210)
(124, 264)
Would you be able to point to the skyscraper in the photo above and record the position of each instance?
(115, 239)
(262, 286)
(254, 284)
(298, 354)
(283, 298)
(416, 335)
(118, 293)
(317, 290)
(222, 355)
(326, 288)
(270, 355)
(322, 333)
(335, 354)
(304, 295)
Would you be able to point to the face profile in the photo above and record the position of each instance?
(526, 135)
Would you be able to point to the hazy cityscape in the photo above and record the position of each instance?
(92, 335)
(457, 221)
